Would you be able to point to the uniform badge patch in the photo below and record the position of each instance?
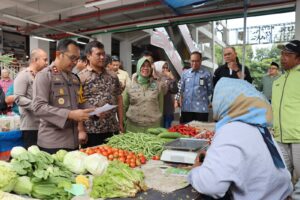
(61, 101)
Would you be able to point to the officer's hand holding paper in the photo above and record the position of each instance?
(102, 109)
(80, 114)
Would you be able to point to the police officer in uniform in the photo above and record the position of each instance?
(57, 95)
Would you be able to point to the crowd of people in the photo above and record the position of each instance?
(56, 101)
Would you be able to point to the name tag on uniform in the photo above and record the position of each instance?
(201, 81)
(61, 91)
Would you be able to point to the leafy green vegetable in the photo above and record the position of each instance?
(23, 185)
(47, 190)
(8, 179)
(118, 181)
(34, 149)
(17, 151)
(96, 164)
(74, 161)
(59, 156)
(48, 176)
(5, 164)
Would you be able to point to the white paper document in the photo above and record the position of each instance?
(102, 109)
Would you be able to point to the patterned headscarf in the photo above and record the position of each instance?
(237, 100)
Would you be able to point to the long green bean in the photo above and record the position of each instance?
(149, 145)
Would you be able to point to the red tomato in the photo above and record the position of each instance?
(128, 161)
(110, 157)
(140, 155)
(138, 162)
(104, 153)
(122, 159)
(116, 154)
(155, 158)
(132, 165)
(143, 160)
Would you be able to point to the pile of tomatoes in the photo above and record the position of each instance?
(205, 134)
(127, 157)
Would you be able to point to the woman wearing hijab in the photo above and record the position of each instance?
(243, 157)
(143, 99)
(163, 74)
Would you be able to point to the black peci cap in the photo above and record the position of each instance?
(293, 46)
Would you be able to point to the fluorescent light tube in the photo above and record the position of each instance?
(20, 19)
(79, 35)
(152, 23)
(97, 3)
(79, 42)
(42, 38)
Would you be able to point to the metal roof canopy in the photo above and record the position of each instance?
(54, 18)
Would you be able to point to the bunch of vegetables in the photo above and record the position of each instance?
(149, 145)
(80, 163)
(165, 135)
(8, 177)
(39, 174)
(184, 130)
(130, 158)
(119, 180)
(205, 134)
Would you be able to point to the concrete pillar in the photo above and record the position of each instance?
(125, 55)
(297, 21)
(105, 39)
(41, 44)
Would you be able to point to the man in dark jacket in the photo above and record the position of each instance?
(232, 67)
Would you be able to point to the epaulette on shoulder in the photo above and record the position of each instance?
(77, 77)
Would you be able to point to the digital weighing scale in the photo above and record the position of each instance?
(183, 150)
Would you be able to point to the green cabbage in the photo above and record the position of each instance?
(34, 149)
(23, 185)
(8, 179)
(17, 151)
(96, 164)
(60, 155)
(74, 161)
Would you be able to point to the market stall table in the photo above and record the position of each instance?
(187, 193)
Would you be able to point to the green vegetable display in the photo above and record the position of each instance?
(60, 155)
(170, 135)
(119, 180)
(149, 145)
(42, 176)
(74, 161)
(96, 164)
(8, 179)
(23, 185)
(17, 151)
(153, 131)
